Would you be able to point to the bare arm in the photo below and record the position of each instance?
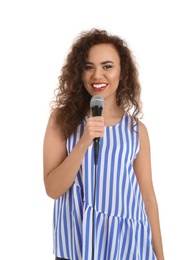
(60, 170)
(142, 167)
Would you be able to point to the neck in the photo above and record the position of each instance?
(112, 116)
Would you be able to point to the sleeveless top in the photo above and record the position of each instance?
(121, 230)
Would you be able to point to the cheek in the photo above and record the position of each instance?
(116, 78)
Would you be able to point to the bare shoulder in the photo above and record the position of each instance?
(52, 119)
(143, 132)
(142, 163)
(54, 145)
(53, 133)
(52, 126)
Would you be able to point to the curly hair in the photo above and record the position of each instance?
(71, 95)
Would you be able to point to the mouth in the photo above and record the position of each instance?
(99, 86)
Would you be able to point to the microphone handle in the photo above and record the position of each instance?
(96, 149)
(96, 111)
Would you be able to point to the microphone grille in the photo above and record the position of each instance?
(97, 101)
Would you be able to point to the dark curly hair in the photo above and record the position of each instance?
(71, 95)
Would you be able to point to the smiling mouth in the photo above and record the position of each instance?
(99, 87)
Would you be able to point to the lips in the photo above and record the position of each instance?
(99, 86)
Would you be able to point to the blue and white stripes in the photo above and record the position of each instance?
(121, 227)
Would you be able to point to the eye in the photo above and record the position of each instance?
(106, 67)
(88, 67)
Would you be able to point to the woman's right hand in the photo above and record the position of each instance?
(93, 128)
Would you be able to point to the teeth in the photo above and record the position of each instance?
(99, 85)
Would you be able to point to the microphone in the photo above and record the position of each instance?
(96, 104)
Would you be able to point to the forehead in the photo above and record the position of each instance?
(103, 52)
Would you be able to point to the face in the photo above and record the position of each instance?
(102, 71)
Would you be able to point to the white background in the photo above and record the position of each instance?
(35, 38)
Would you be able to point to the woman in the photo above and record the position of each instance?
(120, 221)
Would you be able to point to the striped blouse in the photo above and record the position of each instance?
(120, 230)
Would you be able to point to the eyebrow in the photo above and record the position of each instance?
(102, 63)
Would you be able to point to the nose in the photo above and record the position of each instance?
(97, 73)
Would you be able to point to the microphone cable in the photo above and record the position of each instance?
(96, 152)
(93, 215)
